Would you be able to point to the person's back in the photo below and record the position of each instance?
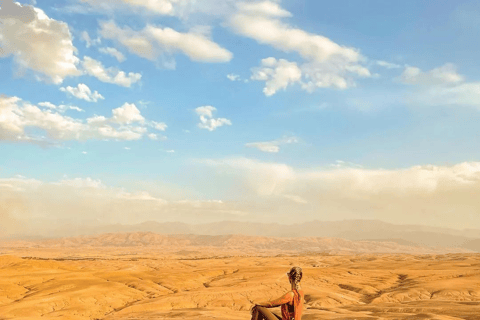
(291, 303)
(293, 309)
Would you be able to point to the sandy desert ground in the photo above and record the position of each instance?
(78, 279)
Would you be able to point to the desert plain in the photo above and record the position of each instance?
(151, 276)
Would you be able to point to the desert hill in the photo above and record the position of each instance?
(150, 276)
(233, 244)
(370, 230)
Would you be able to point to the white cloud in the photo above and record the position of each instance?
(271, 146)
(76, 109)
(114, 53)
(47, 105)
(61, 108)
(264, 146)
(51, 56)
(206, 111)
(263, 8)
(162, 7)
(351, 181)
(253, 21)
(155, 43)
(140, 195)
(109, 75)
(207, 121)
(387, 64)
(428, 194)
(446, 74)
(463, 94)
(82, 183)
(327, 64)
(277, 74)
(16, 116)
(82, 91)
(153, 136)
(84, 36)
(184, 9)
(233, 77)
(442, 86)
(127, 114)
(161, 126)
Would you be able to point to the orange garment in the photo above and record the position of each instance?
(292, 307)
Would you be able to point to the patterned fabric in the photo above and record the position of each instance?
(291, 307)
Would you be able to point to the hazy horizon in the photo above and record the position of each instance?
(258, 110)
(174, 159)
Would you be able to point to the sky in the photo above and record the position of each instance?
(125, 111)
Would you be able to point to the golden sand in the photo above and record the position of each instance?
(150, 283)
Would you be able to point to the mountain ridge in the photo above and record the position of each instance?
(371, 230)
(232, 244)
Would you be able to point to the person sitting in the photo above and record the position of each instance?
(291, 302)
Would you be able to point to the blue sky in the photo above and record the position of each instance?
(187, 100)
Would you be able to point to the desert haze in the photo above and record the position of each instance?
(173, 159)
(145, 275)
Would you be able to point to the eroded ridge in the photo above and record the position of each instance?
(119, 283)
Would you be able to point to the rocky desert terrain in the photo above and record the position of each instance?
(152, 276)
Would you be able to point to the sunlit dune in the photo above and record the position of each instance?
(193, 277)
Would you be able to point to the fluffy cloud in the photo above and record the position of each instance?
(82, 91)
(327, 64)
(261, 21)
(442, 86)
(446, 74)
(156, 43)
(207, 121)
(277, 74)
(109, 75)
(37, 42)
(428, 194)
(233, 77)
(271, 146)
(16, 116)
(127, 114)
(435, 195)
(114, 53)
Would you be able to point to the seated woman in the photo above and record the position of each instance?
(291, 302)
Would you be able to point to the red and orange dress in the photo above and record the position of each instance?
(291, 307)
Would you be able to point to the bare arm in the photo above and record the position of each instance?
(286, 298)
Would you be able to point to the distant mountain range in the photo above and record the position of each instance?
(206, 245)
(371, 230)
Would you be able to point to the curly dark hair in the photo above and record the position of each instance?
(296, 275)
